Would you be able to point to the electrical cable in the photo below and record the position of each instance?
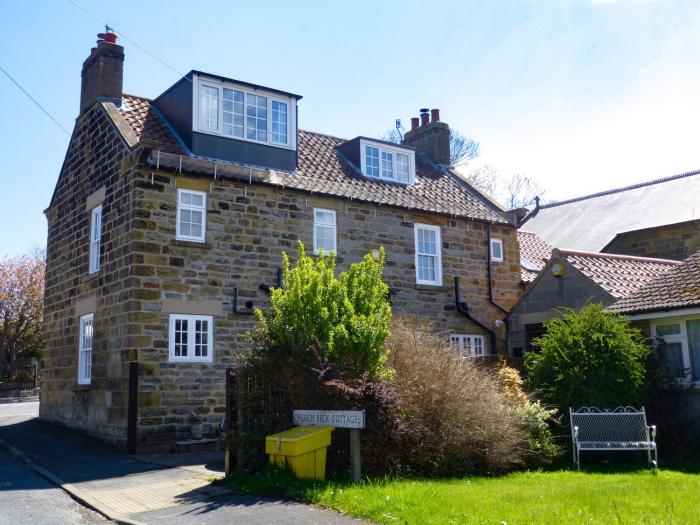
(36, 102)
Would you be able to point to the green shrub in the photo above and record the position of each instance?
(321, 320)
(590, 358)
(536, 419)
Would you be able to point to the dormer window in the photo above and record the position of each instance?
(244, 113)
(387, 162)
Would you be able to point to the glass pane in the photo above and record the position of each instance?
(372, 161)
(196, 200)
(496, 250)
(325, 238)
(401, 167)
(325, 217)
(180, 337)
(668, 329)
(279, 122)
(209, 108)
(387, 165)
(672, 355)
(256, 123)
(426, 268)
(426, 242)
(693, 328)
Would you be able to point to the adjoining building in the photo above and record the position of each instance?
(572, 279)
(659, 218)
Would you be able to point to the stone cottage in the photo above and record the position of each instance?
(166, 229)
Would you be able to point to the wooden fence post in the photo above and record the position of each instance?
(355, 457)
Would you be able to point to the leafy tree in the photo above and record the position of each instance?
(590, 358)
(21, 308)
(325, 321)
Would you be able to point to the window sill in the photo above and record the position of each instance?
(433, 287)
(191, 244)
(91, 276)
(681, 386)
(81, 388)
(189, 362)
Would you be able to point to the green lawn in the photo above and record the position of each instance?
(639, 497)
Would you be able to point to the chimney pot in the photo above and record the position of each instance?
(415, 122)
(435, 115)
(424, 117)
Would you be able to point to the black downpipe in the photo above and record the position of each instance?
(488, 258)
(463, 309)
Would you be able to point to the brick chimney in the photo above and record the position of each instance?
(103, 72)
(429, 135)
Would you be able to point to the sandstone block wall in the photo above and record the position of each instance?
(248, 226)
(97, 165)
(673, 241)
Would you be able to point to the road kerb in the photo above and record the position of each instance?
(81, 496)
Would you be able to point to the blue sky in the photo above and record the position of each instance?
(581, 96)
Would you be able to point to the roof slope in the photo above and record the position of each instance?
(677, 288)
(619, 275)
(148, 123)
(534, 254)
(321, 169)
(590, 222)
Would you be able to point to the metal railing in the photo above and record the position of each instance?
(18, 378)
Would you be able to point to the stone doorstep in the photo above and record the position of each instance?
(117, 504)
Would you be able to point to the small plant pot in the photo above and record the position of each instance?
(197, 430)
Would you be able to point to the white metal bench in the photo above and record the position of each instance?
(624, 428)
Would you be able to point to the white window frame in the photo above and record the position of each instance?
(468, 345)
(179, 236)
(199, 81)
(326, 225)
(190, 357)
(681, 338)
(438, 256)
(95, 239)
(86, 323)
(499, 243)
(393, 150)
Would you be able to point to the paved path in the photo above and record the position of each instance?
(26, 497)
(172, 489)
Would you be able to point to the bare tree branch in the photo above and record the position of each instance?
(462, 148)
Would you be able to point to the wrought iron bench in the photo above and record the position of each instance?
(624, 428)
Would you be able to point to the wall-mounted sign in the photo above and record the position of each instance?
(330, 418)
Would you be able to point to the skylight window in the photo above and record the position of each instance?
(387, 162)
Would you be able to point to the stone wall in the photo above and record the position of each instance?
(673, 241)
(248, 226)
(96, 168)
(572, 290)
